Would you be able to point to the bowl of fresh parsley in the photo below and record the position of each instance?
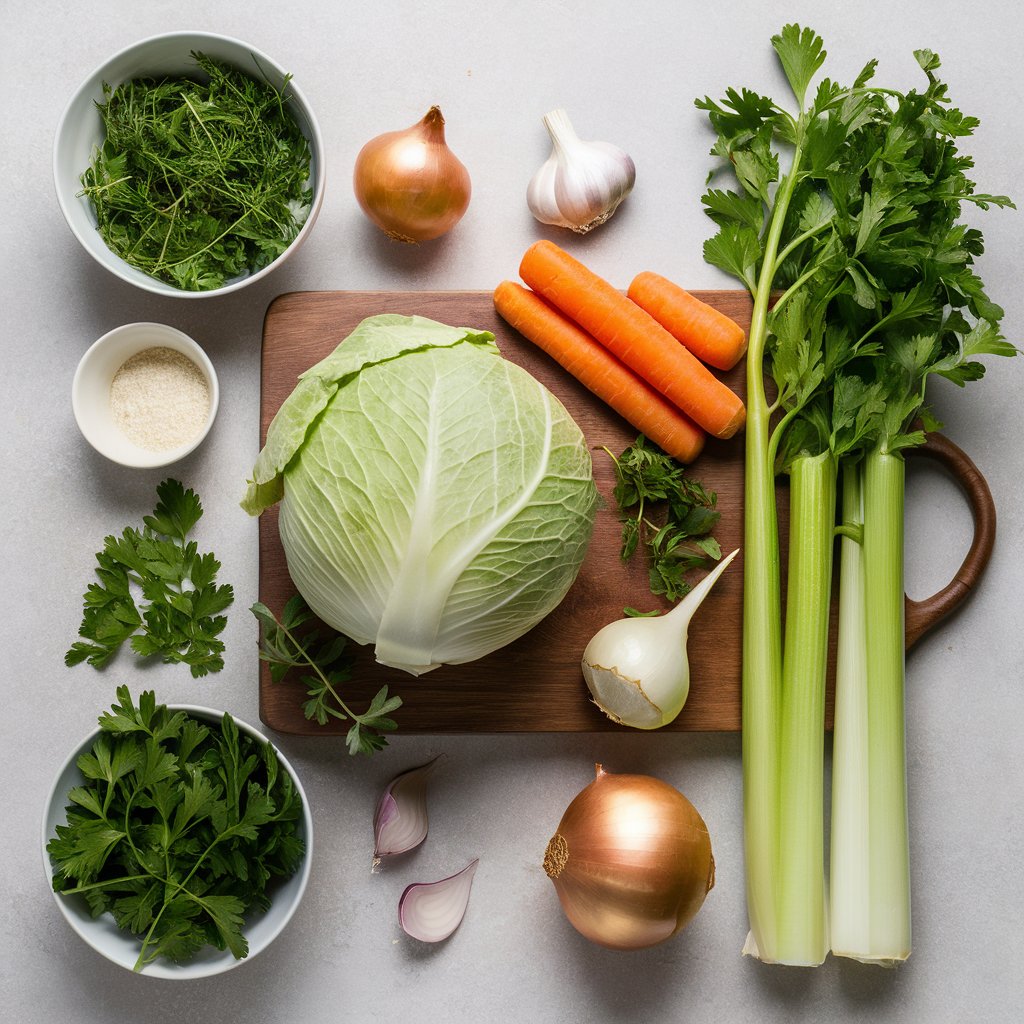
(189, 164)
(176, 839)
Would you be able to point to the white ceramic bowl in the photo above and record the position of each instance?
(81, 130)
(90, 392)
(122, 948)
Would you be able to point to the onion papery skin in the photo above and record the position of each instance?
(631, 861)
(410, 184)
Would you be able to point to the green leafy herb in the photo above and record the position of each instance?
(199, 181)
(178, 618)
(291, 643)
(179, 830)
(666, 513)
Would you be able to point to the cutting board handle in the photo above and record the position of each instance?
(921, 616)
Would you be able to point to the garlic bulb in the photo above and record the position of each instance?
(582, 183)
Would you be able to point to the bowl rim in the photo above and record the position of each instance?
(199, 355)
(157, 969)
(117, 265)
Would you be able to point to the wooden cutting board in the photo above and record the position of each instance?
(534, 684)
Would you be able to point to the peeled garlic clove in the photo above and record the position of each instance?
(431, 911)
(582, 183)
(400, 819)
(637, 669)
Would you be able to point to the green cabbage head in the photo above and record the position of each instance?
(436, 500)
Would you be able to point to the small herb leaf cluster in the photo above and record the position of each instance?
(198, 181)
(178, 616)
(179, 830)
(667, 514)
(292, 643)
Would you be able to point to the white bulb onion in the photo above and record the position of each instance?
(637, 669)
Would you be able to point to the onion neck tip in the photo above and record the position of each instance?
(433, 124)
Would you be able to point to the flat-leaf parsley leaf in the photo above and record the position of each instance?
(157, 592)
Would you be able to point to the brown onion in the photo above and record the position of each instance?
(410, 184)
(631, 861)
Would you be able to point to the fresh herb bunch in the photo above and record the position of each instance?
(292, 643)
(179, 618)
(667, 513)
(179, 830)
(199, 181)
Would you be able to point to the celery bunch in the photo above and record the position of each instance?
(847, 215)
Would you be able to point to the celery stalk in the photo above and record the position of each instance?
(802, 936)
(889, 854)
(849, 890)
(870, 870)
(762, 617)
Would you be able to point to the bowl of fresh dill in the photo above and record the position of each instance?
(189, 164)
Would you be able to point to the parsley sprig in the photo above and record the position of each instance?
(667, 514)
(292, 643)
(199, 181)
(157, 592)
(179, 830)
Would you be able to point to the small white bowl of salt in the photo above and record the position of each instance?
(145, 395)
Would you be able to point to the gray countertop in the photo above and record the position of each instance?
(627, 73)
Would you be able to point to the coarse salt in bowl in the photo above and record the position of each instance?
(115, 421)
(81, 131)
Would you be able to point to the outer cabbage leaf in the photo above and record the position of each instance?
(439, 501)
(377, 339)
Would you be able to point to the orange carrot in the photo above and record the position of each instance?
(707, 332)
(599, 371)
(634, 336)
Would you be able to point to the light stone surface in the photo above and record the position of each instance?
(627, 73)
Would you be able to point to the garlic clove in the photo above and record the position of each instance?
(540, 194)
(431, 911)
(400, 818)
(581, 184)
